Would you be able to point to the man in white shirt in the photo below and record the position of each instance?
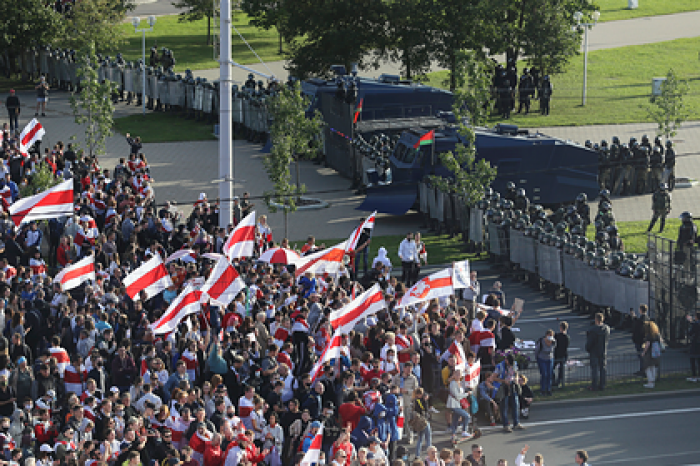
(408, 255)
(150, 397)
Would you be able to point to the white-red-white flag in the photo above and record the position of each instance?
(325, 261)
(223, 284)
(152, 277)
(31, 133)
(62, 359)
(53, 203)
(185, 304)
(457, 351)
(472, 374)
(331, 351)
(72, 276)
(313, 454)
(368, 224)
(368, 303)
(460, 275)
(433, 286)
(187, 255)
(241, 241)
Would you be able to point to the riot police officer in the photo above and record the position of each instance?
(525, 91)
(661, 206)
(505, 93)
(669, 176)
(511, 191)
(545, 95)
(603, 197)
(688, 232)
(641, 168)
(250, 82)
(153, 59)
(656, 162)
(645, 142)
(614, 241)
(604, 165)
(521, 201)
(583, 210)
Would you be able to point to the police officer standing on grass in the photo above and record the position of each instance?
(545, 95)
(525, 91)
(661, 206)
(656, 162)
(153, 59)
(670, 166)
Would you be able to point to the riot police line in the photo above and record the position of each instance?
(191, 97)
(627, 169)
(549, 250)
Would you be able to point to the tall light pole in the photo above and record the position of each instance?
(151, 22)
(578, 16)
(225, 117)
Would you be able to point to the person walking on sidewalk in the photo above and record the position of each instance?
(596, 347)
(13, 107)
(42, 96)
(651, 352)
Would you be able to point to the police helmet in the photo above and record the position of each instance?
(612, 230)
(482, 204)
(510, 185)
(686, 216)
(548, 226)
(526, 71)
(603, 143)
(639, 273)
(645, 138)
(625, 146)
(604, 194)
(602, 236)
(582, 198)
(521, 192)
(250, 76)
(633, 140)
(495, 196)
(576, 230)
(488, 192)
(625, 270)
(596, 147)
(657, 140)
(588, 143)
(164, 49)
(615, 140)
(588, 257)
(669, 144)
(539, 223)
(663, 187)
(606, 206)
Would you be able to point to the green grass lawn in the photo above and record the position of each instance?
(188, 42)
(611, 10)
(164, 127)
(619, 85)
(441, 248)
(16, 84)
(634, 234)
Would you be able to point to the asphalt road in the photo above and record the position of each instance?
(659, 430)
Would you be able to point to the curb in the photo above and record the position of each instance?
(610, 398)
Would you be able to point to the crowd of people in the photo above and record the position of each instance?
(85, 380)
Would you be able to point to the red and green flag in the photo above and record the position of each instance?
(426, 140)
(358, 110)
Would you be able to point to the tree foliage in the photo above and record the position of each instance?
(92, 106)
(405, 40)
(96, 23)
(293, 137)
(41, 180)
(470, 175)
(194, 10)
(268, 14)
(668, 109)
(24, 23)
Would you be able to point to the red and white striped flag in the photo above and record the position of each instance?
(312, 455)
(152, 277)
(187, 255)
(62, 359)
(31, 133)
(472, 374)
(331, 351)
(185, 304)
(433, 286)
(368, 224)
(368, 303)
(325, 261)
(400, 419)
(223, 284)
(72, 276)
(241, 241)
(457, 351)
(53, 203)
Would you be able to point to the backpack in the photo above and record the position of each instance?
(656, 349)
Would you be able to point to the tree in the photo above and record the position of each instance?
(268, 14)
(341, 32)
(469, 175)
(96, 23)
(541, 30)
(41, 180)
(293, 137)
(92, 106)
(25, 23)
(406, 39)
(668, 109)
(196, 10)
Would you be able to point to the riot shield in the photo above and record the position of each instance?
(208, 100)
(163, 92)
(129, 80)
(153, 89)
(43, 62)
(237, 109)
(198, 97)
(189, 96)
(176, 90)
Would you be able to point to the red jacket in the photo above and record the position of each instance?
(214, 456)
(351, 413)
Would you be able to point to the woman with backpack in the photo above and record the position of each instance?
(651, 352)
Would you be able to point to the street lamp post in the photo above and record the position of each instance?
(151, 22)
(578, 16)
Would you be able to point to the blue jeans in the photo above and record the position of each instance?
(598, 373)
(511, 401)
(456, 414)
(546, 368)
(426, 434)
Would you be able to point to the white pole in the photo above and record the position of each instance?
(585, 61)
(143, 74)
(225, 117)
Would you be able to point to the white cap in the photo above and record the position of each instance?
(114, 390)
(46, 448)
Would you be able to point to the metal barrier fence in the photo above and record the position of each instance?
(619, 367)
